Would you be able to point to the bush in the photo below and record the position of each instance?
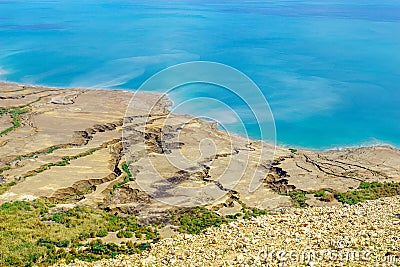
(369, 191)
(194, 220)
(124, 234)
(320, 193)
(138, 235)
(102, 233)
(234, 216)
(52, 149)
(3, 111)
(125, 168)
(298, 199)
(62, 244)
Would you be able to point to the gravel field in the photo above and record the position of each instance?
(366, 234)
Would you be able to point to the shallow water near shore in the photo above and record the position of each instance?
(329, 69)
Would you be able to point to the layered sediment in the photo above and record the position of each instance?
(67, 144)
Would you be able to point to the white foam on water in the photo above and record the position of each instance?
(3, 71)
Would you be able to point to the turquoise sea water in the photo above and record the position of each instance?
(329, 69)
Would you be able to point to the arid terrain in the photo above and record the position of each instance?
(365, 234)
(82, 147)
(86, 126)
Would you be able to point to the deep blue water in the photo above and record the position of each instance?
(330, 70)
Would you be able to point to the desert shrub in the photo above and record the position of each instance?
(6, 186)
(127, 178)
(138, 235)
(328, 197)
(194, 220)
(3, 111)
(249, 212)
(234, 216)
(125, 168)
(298, 199)
(124, 234)
(102, 233)
(369, 191)
(52, 149)
(320, 193)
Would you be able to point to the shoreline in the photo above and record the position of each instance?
(364, 144)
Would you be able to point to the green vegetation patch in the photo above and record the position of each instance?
(365, 191)
(125, 168)
(16, 119)
(369, 191)
(52, 149)
(298, 198)
(3, 111)
(320, 193)
(16, 114)
(5, 168)
(33, 233)
(249, 212)
(234, 216)
(6, 186)
(30, 235)
(195, 220)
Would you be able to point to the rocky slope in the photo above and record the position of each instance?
(366, 234)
